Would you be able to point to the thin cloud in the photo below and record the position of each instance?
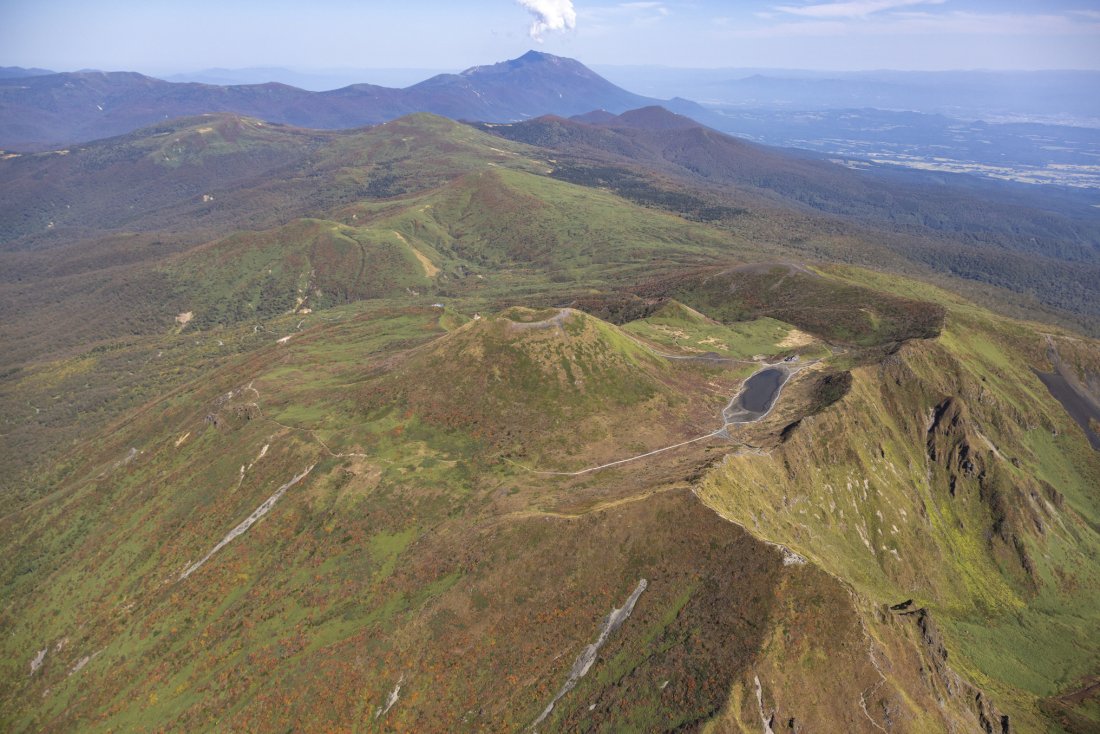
(630, 16)
(851, 9)
(655, 6)
(914, 23)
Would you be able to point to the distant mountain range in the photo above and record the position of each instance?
(55, 110)
(314, 80)
(851, 118)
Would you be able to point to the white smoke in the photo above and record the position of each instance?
(550, 15)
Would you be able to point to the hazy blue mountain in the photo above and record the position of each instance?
(55, 110)
(18, 72)
(314, 80)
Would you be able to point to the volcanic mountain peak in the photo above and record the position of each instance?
(542, 338)
(535, 373)
(530, 61)
(519, 88)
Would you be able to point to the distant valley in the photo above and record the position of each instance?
(1030, 153)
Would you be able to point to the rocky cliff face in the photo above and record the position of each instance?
(1007, 507)
(937, 675)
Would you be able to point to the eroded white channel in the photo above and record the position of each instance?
(585, 660)
(247, 522)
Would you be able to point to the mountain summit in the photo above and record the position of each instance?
(531, 85)
(533, 60)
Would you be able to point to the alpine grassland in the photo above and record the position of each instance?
(419, 428)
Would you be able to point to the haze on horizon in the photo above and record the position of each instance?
(163, 38)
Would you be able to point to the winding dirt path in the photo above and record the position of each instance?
(598, 507)
(722, 432)
(687, 357)
(591, 469)
(430, 270)
(765, 718)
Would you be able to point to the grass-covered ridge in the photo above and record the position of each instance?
(948, 475)
(688, 333)
(489, 232)
(840, 311)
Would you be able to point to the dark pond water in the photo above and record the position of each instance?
(757, 396)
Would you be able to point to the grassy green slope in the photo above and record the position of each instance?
(495, 233)
(507, 224)
(686, 332)
(309, 263)
(948, 475)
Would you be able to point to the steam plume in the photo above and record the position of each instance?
(550, 15)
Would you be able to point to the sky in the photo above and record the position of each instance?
(164, 37)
